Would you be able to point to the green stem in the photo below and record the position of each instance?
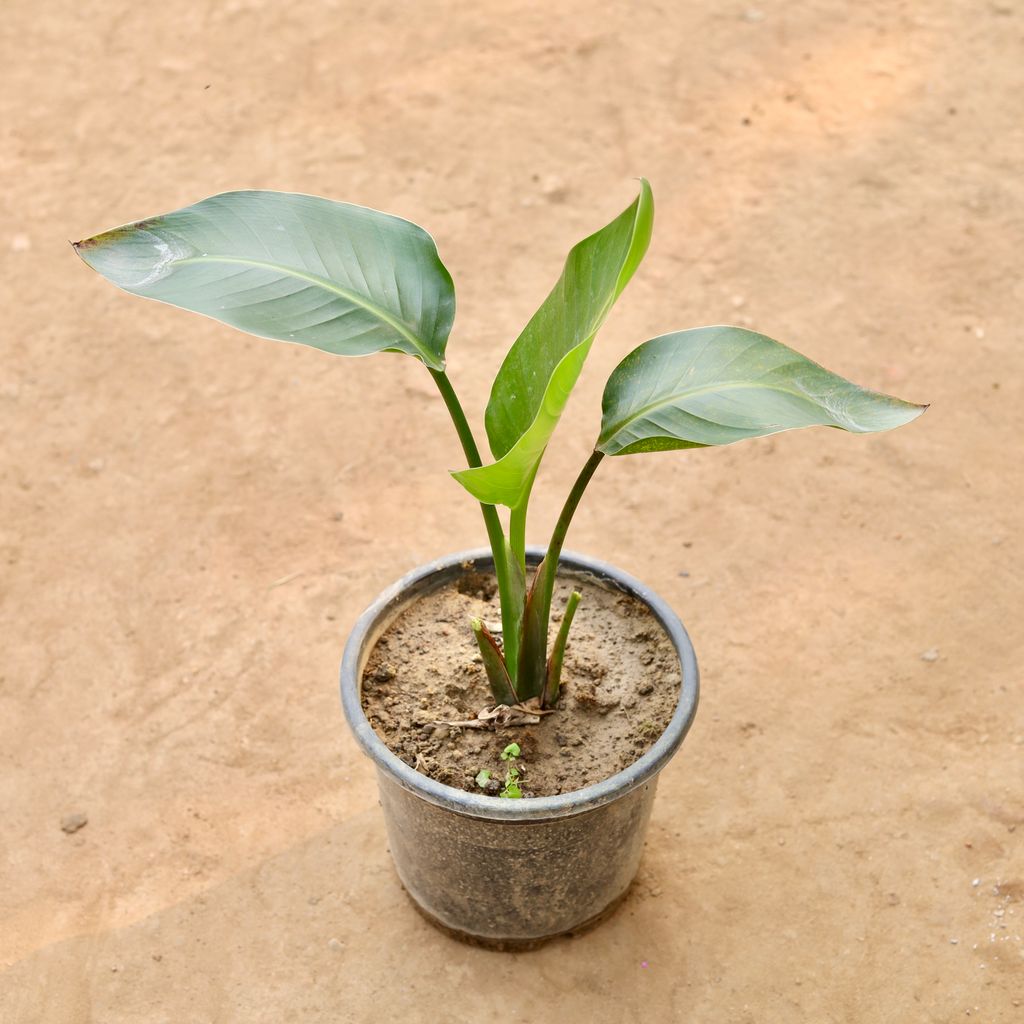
(444, 385)
(495, 534)
(533, 652)
(562, 526)
(512, 614)
(517, 578)
(517, 534)
(517, 524)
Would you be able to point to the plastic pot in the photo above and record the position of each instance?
(512, 874)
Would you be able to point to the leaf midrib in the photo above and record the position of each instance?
(354, 297)
(691, 393)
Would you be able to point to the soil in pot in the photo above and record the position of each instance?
(620, 686)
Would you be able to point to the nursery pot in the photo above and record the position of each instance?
(513, 873)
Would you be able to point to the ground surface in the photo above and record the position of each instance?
(192, 519)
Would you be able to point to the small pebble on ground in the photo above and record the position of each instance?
(73, 822)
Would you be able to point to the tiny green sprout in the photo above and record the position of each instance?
(511, 790)
(483, 777)
(352, 281)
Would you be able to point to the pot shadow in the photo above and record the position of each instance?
(324, 930)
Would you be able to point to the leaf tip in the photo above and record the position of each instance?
(914, 410)
(85, 250)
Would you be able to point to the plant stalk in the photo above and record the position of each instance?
(517, 535)
(533, 653)
(550, 567)
(517, 525)
(495, 534)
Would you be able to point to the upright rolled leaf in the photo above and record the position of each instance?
(296, 268)
(553, 680)
(540, 370)
(494, 664)
(717, 385)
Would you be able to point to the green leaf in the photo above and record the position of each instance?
(511, 751)
(483, 777)
(554, 671)
(538, 374)
(296, 268)
(717, 385)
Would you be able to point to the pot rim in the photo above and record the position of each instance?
(371, 624)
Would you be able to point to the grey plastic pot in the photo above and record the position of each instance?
(511, 874)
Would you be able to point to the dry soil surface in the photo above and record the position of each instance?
(424, 688)
(192, 518)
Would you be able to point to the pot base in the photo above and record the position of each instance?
(518, 945)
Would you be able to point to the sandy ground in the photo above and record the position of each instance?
(191, 518)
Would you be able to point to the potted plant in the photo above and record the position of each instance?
(516, 768)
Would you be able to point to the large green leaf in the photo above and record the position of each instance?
(717, 385)
(342, 278)
(540, 370)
